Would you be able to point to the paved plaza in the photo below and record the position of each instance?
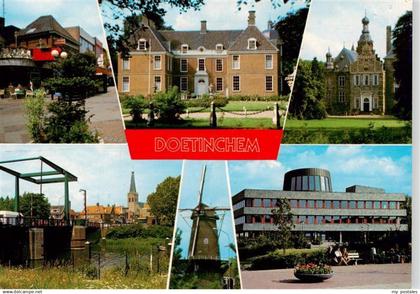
(372, 276)
(106, 119)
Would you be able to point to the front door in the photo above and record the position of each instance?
(366, 105)
(202, 87)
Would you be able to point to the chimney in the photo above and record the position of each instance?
(388, 39)
(2, 22)
(203, 27)
(251, 18)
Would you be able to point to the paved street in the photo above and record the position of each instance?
(375, 276)
(106, 119)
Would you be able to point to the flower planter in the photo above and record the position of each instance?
(306, 277)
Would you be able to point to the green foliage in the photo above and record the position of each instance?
(290, 29)
(283, 219)
(79, 65)
(206, 100)
(72, 88)
(35, 205)
(7, 203)
(137, 105)
(66, 123)
(278, 260)
(164, 200)
(308, 92)
(169, 105)
(139, 231)
(35, 113)
(403, 47)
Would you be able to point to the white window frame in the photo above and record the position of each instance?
(357, 80)
(144, 41)
(184, 48)
(160, 84)
(219, 47)
(126, 64)
(198, 64)
(180, 84)
(221, 60)
(233, 83)
(250, 41)
(238, 62)
(341, 81)
(272, 84)
(272, 61)
(128, 84)
(180, 65)
(155, 62)
(366, 79)
(375, 80)
(221, 90)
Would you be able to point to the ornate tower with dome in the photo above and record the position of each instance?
(355, 81)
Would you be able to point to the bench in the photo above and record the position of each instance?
(354, 256)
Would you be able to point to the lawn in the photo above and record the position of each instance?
(338, 123)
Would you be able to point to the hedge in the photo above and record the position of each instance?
(139, 230)
(276, 260)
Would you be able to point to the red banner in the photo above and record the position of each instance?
(204, 144)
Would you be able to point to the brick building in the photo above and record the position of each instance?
(356, 78)
(230, 62)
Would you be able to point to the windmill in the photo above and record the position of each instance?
(204, 240)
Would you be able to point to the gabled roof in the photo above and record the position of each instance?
(195, 39)
(241, 43)
(45, 24)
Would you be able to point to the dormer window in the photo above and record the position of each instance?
(142, 44)
(252, 44)
(201, 49)
(184, 48)
(219, 47)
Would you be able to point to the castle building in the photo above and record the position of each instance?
(318, 211)
(356, 78)
(230, 62)
(138, 212)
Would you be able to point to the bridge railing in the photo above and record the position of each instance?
(32, 222)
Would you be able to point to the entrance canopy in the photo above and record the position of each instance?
(48, 173)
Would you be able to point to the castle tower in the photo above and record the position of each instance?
(365, 43)
(330, 61)
(132, 196)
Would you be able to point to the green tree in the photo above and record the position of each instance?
(35, 113)
(7, 203)
(308, 91)
(290, 29)
(164, 200)
(137, 105)
(402, 42)
(35, 205)
(283, 218)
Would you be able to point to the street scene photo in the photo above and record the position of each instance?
(325, 216)
(184, 66)
(69, 224)
(56, 81)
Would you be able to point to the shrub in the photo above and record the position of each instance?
(72, 88)
(277, 260)
(169, 105)
(206, 100)
(139, 230)
(137, 105)
(35, 113)
(66, 123)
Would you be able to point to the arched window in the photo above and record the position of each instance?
(252, 44)
(142, 44)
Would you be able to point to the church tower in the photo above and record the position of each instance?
(132, 197)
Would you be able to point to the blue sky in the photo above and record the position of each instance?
(333, 23)
(215, 194)
(84, 13)
(383, 166)
(223, 15)
(103, 170)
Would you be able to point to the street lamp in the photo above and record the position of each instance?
(84, 194)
